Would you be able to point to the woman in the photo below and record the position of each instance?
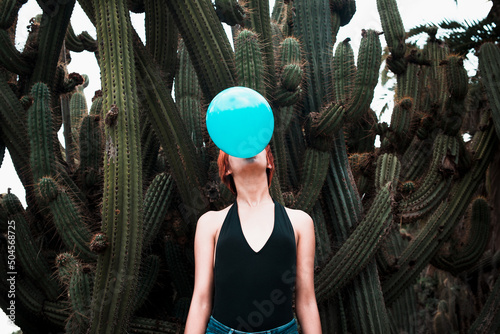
(252, 257)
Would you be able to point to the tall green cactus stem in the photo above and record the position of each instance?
(188, 97)
(435, 83)
(161, 38)
(313, 175)
(156, 204)
(401, 117)
(80, 293)
(41, 133)
(28, 249)
(439, 226)
(368, 65)
(68, 220)
(147, 279)
(357, 251)
(258, 20)
(181, 281)
(289, 54)
(249, 61)
(388, 169)
(91, 151)
(309, 25)
(172, 134)
(489, 65)
(96, 107)
(117, 268)
(55, 20)
(207, 44)
(394, 31)
(344, 72)
(472, 246)
(78, 108)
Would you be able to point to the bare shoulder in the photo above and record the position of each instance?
(211, 221)
(298, 216)
(300, 220)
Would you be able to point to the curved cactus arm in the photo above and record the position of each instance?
(477, 236)
(67, 218)
(11, 58)
(33, 263)
(230, 12)
(394, 31)
(344, 72)
(314, 170)
(55, 20)
(437, 181)
(79, 43)
(357, 250)
(14, 132)
(118, 266)
(329, 121)
(488, 320)
(9, 10)
(207, 43)
(439, 226)
(43, 140)
(489, 65)
(368, 66)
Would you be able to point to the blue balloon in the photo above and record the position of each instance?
(240, 122)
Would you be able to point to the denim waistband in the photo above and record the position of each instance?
(215, 327)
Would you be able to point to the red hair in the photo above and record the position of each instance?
(227, 179)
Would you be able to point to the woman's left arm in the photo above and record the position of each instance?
(305, 299)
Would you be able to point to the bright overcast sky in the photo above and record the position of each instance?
(412, 12)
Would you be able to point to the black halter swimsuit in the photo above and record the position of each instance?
(254, 290)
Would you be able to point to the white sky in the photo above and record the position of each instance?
(412, 12)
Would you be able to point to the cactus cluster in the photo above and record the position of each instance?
(105, 244)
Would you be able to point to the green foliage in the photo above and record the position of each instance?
(115, 219)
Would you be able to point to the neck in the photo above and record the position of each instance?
(253, 191)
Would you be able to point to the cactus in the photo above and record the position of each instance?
(114, 218)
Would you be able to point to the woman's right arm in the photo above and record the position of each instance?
(201, 303)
